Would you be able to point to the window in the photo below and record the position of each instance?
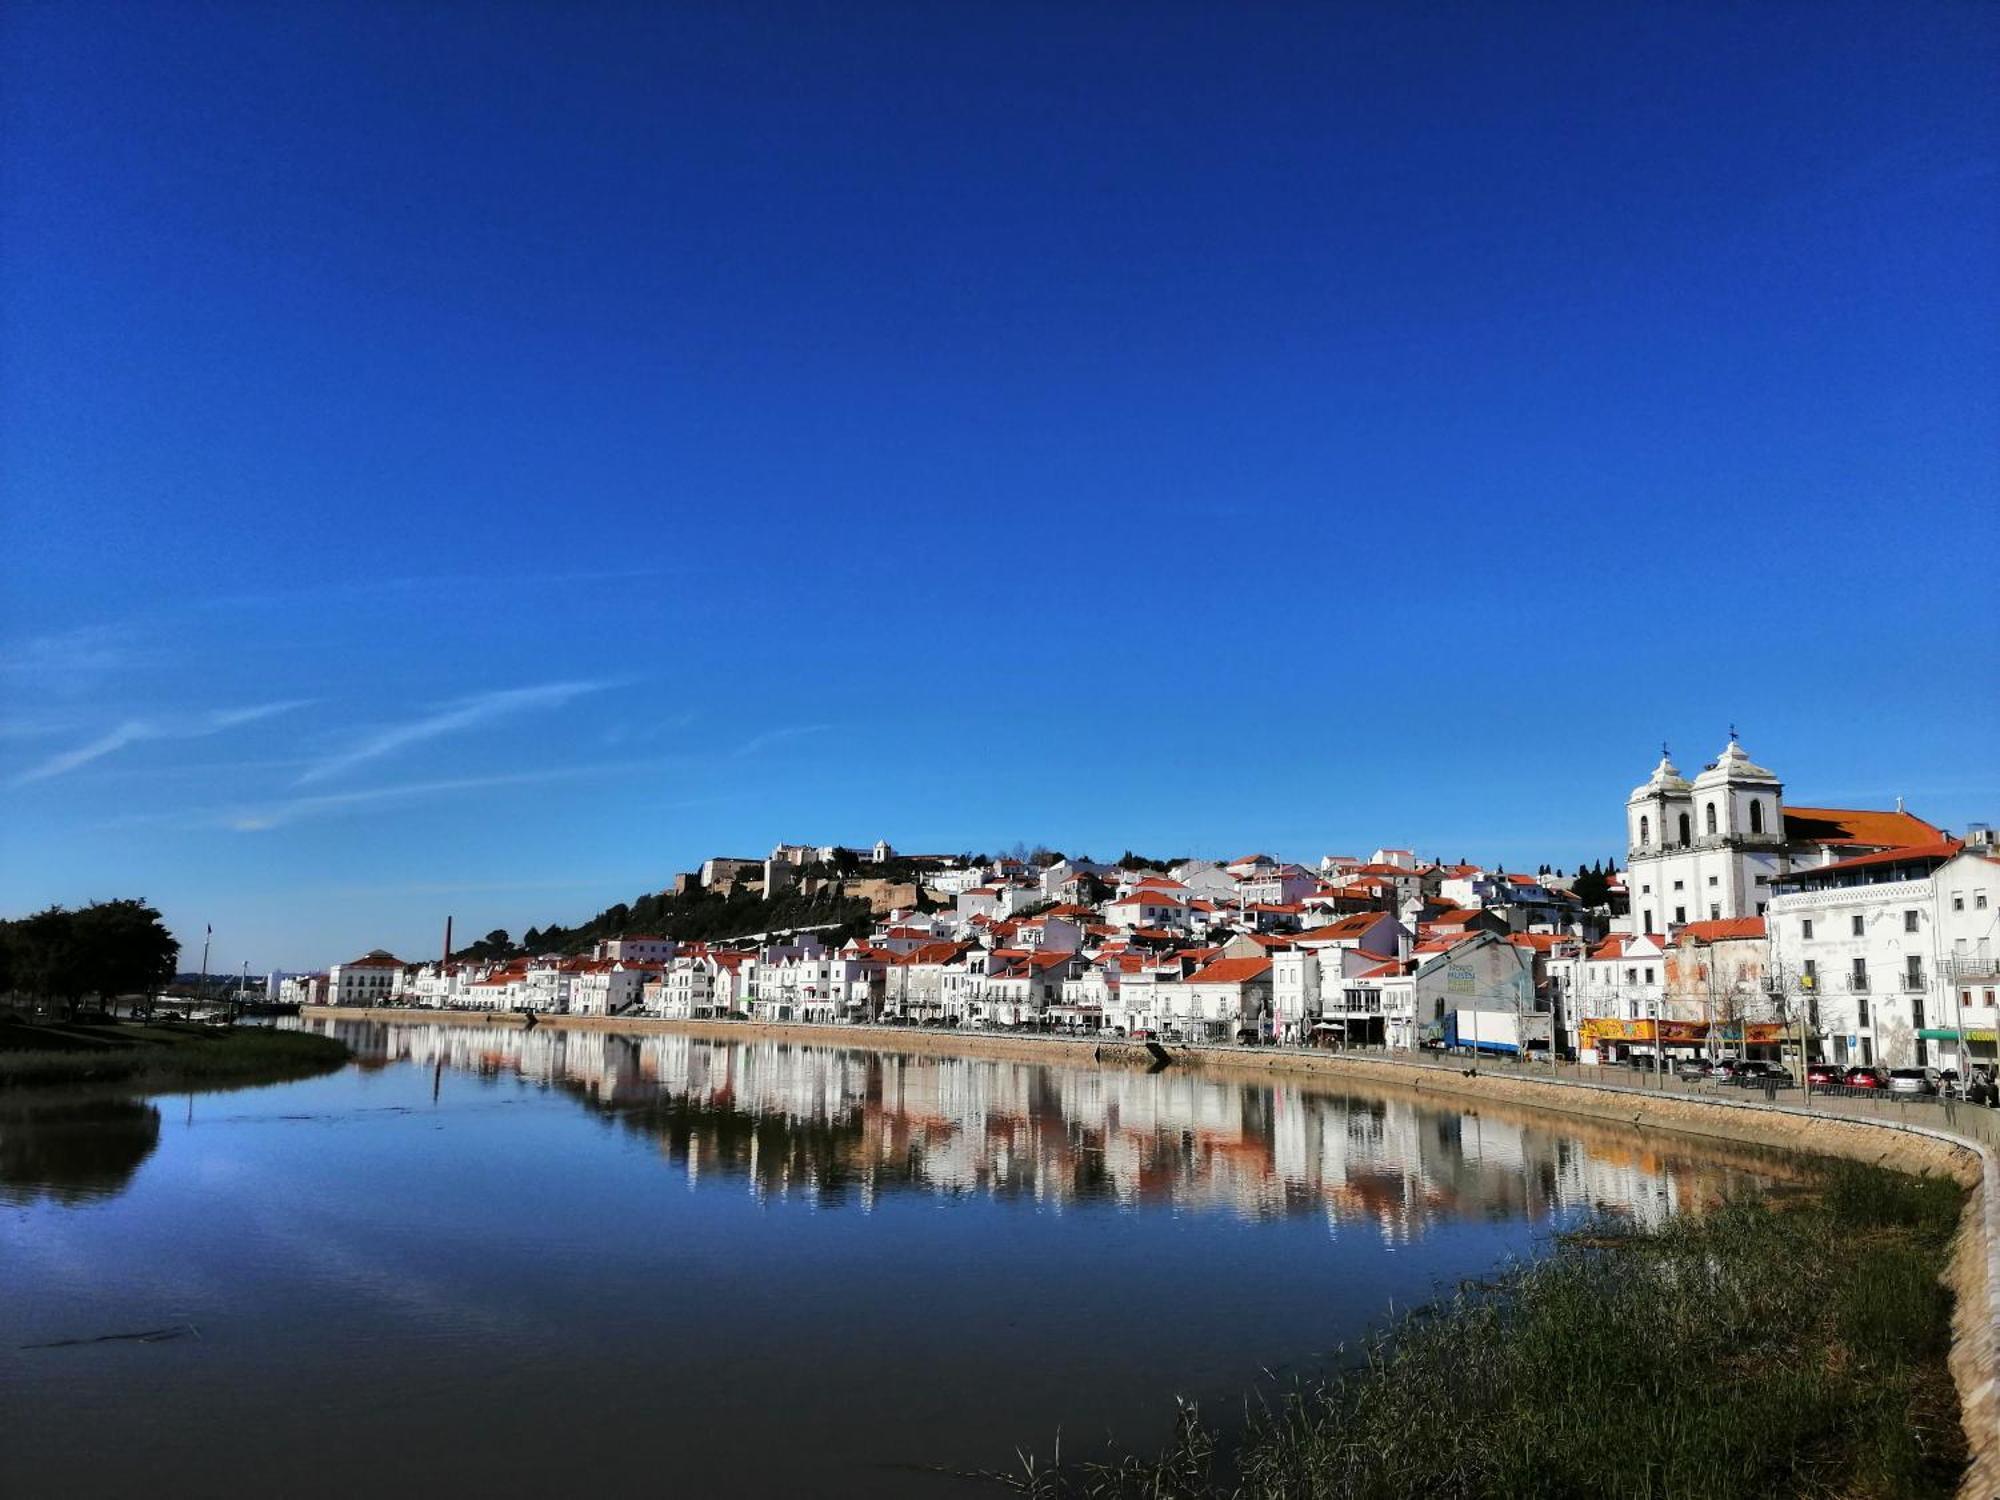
(1756, 816)
(1679, 883)
(1680, 915)
(1812, 974)
(1805, 929)
(1645, 890)
(1979, 899)
(1631, 976)
(1958, 900)
(1857, 978)
(1649, 973)
(1760, 907)
(1714, 912)
(1686, 831)
(1909, 921)
(1913, 971)
(1858, 925)
(1645, 833)
(1649, 921)
(1713, 882)
(1711, 817)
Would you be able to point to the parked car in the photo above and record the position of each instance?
(1825, 1075)
(1691, 1067)
(1913, 1081)
(1865, 1078)
(1762, 1075)
(1722, 1067)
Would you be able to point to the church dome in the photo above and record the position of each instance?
(1666, 781)
(1734, 767)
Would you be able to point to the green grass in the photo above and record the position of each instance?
(159, 1057)
(1789, 1345)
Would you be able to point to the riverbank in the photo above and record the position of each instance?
(1972, 1274)
(1792, 1343)
(158, 1058)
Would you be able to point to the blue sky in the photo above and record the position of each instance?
(483, 460)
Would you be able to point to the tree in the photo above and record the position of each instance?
(107, 949)
(43, 955)
(1591, 888)
(123, 948)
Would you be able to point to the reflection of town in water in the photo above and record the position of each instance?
(840, 1125)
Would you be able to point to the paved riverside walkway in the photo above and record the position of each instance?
(1975, 1123)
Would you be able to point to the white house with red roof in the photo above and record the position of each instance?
(368, 980)
(1275, 886)
(1893, 955)
(1217, 1001)
(1149, 907)
(913, 982)
(608, 986)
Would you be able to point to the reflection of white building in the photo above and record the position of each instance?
(1052, 1133)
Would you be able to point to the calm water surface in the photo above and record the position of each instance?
(482, 1260)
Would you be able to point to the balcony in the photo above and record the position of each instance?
(1913, 982)
(1857, 984)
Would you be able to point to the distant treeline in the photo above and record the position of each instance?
(104, 949)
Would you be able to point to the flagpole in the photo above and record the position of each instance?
(201, 984)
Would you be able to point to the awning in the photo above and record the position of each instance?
(1947, 1034)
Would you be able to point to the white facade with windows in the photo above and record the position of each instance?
(365, 981)
(1704, 850)
(1898, 957)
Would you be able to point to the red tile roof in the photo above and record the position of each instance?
(1232, 971)
(1875, 830)
(1359, 925)
(1721, 930)
(1940, 849)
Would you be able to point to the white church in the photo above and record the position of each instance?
(1712, 848)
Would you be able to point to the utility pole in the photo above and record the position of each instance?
(201, 984)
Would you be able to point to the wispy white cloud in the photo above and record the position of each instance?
(68, 662)
(139, 731)
(343, 589)
(262, 817)
(638, 734)
(450, 718)
(772, 737)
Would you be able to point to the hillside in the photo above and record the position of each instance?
(699, 915)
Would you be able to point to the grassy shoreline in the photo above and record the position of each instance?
(162, 1057)
(1789, 1344)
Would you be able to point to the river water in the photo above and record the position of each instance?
(481, 1260)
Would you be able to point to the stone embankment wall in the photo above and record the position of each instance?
(1973, 1274)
